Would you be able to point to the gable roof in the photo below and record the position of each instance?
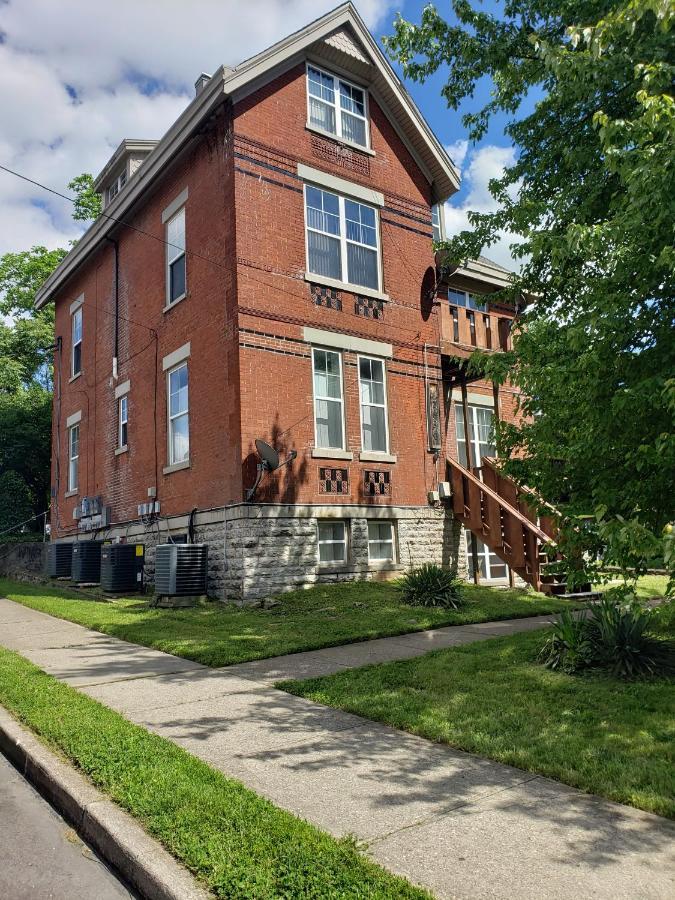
(342, 32)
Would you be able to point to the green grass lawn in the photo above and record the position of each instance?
(604, 736)
(238, 844)
(218, 634)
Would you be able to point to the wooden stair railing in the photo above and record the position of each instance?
(499, 524)
(517, 496)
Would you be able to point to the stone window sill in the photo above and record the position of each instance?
(329, 453)
(170, 306)
(355, 289)
(369, 456)
(176, 467)
(74, 377)
(71, 493)
(120, 450)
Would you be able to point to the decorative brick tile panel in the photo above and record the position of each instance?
(376, 484)
(345, 157)
(328, 297)
(369, 308)
(333, 481)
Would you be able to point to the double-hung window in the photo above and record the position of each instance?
(332, 541)
(337, 106)
(73, 457)
(381, 542)
(123, 422)
(175, 258)
(328, 400)
(342, 238)
(179, 431)
(76, 345)
(373, 392)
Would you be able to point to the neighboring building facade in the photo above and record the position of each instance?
(266, 271)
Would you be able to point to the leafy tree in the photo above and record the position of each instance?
(87, 201)
(15, 500)
(26, 338)
(587, 89)
(24, 342)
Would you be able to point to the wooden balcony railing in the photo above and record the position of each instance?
(514, 537)
(466, 329)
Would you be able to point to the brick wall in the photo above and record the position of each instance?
(247, 304)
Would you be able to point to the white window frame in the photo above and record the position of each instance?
(344, 542)
(173, 254)
(75, 316)
(394, 555)
(384, 405)
(73, 460)
(337, 108)
(170, 419)
(122, 419)
(116, 186)
(342, 238)
(438, 210)
(329, 399)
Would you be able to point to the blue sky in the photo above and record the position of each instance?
(75, 80)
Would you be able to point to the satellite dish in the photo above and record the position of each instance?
(269, 462)
(268, 455)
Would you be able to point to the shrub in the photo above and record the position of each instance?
(614, 636)
(430, 585)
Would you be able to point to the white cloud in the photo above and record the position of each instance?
(78, 76)
(483, 164)
(458, 151)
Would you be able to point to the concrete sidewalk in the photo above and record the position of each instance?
(463, 826)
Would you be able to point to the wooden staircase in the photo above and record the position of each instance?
(496, 511)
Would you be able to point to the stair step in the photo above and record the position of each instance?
(581, 595)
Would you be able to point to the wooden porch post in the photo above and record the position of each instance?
(470, 467)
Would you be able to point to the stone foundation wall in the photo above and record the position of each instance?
(22, 559)
(258, 550)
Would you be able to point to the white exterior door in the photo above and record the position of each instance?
(481, 419)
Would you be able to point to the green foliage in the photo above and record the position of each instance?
(87, 200)
(591, 199)
(238, 844)
(615, 636)
(25, 427)
(430, 585)
(15, 499)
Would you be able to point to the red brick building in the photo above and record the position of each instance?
(266, 271)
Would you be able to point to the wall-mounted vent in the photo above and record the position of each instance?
(333, 481)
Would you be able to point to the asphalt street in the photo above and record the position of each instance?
(41, 857)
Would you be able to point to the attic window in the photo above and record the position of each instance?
(117, 185)
(337, 106)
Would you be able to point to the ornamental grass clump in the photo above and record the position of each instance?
(614, 636)
(431, 586)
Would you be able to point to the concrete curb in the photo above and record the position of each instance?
(114, 834)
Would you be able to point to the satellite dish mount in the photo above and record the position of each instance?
(268, 461)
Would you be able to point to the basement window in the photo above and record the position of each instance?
(332, 541)
(381, 542)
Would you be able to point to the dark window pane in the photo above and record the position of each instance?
(177, 269)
